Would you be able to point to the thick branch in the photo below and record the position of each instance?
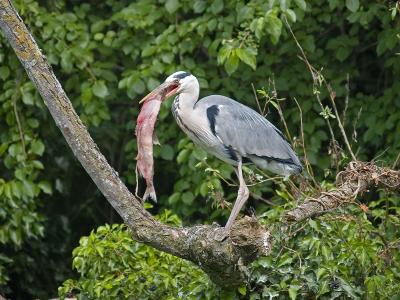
(204, 245)
(356, 179)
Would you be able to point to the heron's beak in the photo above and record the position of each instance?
(172, 89)
(167, 89)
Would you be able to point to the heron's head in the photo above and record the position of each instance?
(177, 83)
(186, 83)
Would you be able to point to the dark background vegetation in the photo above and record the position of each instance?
(108, 54)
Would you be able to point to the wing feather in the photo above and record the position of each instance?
(247, 132)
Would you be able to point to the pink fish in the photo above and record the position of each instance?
(146, 137)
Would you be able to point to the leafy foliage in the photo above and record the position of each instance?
(113, 266)
(346, 255)
(106, 53)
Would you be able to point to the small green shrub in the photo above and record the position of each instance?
(349, 254)
(113, 266)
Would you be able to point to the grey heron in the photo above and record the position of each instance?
(231, 131)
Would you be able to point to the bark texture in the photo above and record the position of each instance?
(222, 256)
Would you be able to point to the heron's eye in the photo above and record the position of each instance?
(182, 75)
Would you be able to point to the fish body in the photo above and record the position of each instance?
(145, 140)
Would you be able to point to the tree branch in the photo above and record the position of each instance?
(356, 179)
(221, 257)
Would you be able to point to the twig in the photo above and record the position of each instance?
(279, 109)
(267, 201)
(14, 103)
(318, 81)
(307, 162)
(257, 101)
(346, 99)
(332, 97)
(380, 154)
(354, 135)
(396, 161)
(314, 76)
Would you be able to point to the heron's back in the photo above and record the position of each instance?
(243, 133)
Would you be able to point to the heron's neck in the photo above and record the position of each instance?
(187, 100)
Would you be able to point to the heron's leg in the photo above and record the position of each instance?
(242, 196)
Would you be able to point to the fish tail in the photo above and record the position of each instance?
(150, 193)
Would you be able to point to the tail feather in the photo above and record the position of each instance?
(150, 193)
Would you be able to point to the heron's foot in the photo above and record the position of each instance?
(222, 234)
(141, 200)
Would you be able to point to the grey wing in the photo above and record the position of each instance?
(247, 132)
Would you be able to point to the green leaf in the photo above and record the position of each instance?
(301, 4)
(15, 236)
(285, 260)
(167, 57)
(217, 6)
(16, 189)
(33, 123)
(291, 15)
(352, 5)
(223, 54)
(152, 83)
(38, 164)
(394, 12)
(100, 89)
(242, 290)
(187, 198)
(3, 148)
(7, 190)
(204, 189)
(342, 53)
(28, 98)
(248, 56)
(148, 51)
(320, 272)
(100, 250)
(232, 63)
(199, 153)
(37, 147)
(172, 6)
(15, 149)
(350, 290)
(260, 25)
(29, 188)
(274, 27)
(293, 291)
(4, 72)
(174, 198)
(86, 95)
(45, 187)
(313, 224)
(199, 6)
(167, 152)
(98, 36)
(138, 86)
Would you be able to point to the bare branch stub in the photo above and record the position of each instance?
(355, 180)
(221, 256)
